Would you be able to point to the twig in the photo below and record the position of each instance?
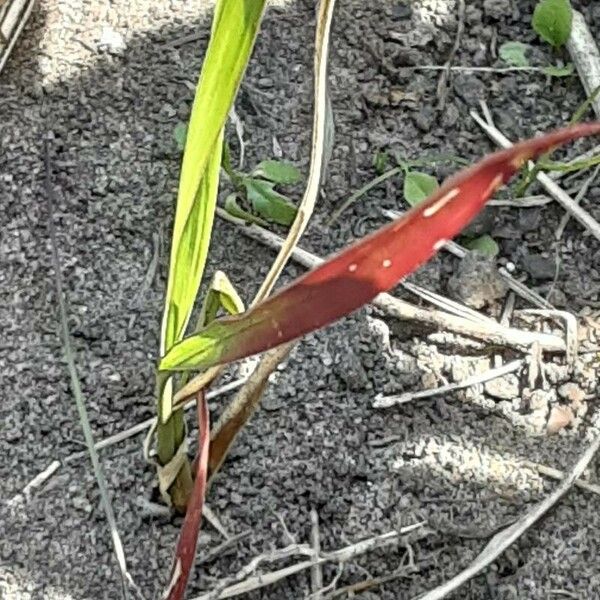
(316, 573)
(400, 309)
(126, 578)
(560, 475)
(18, 11)
(223, 547)
(451, 306)
(442, 87)
(505, 538)
(246, 583)
(361, 192)
(585, 56)
(388, 401)
(38, 480)
(42, 477)
(467, 69)
(580, 194)
(551, 187)
(145, 425)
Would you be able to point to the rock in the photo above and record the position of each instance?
(497, 9)
(450, 116)
(503, 388)
(111, 41)
(350, 369)
(469, 87)
(541, 268)
(483, 223)
(476, 281)
(402, 10)
(560, 417)
(572, 392)
(425, 118)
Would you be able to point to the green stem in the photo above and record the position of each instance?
(169, 437)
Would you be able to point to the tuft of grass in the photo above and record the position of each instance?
(234, 29)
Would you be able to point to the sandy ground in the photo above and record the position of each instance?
(109, 82)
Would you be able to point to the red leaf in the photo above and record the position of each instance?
(374, 264)
(186, 546)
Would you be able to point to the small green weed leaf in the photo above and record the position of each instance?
(552, 20)
(380, 162)
(277, 171)
(485, 245)
(221, 294)
(235, 210)
(179, 134)
(418, 186)
(268, 203)
(513, 53)
(558, 71)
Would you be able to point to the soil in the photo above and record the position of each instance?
(109, 82)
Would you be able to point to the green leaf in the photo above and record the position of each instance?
(179, 134)
(380, 162)
(235, 210)
(485, 245)
(268, 203)
(513, 53)
(552, 20)
(221, 294)
(558, 71)
(418, 186)
(234, 29)
(277, 171)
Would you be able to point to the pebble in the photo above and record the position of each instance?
(476, 281)
(541, 268)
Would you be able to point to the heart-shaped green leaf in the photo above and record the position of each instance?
(418, 186)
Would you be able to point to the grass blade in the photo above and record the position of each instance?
(234, 30)
(76, 386)
(373, 265)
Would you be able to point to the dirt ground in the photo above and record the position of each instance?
(110, 104)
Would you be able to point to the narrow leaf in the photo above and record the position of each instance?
(277, 171)
(221, 294)
(234, 29)
(373, 265)
(418, 186)
(235, 210)
(268, 203)
(558, 71)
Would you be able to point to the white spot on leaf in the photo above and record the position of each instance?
(387, 263)
(431, 210)
(352, 267)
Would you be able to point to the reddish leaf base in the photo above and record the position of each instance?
(186, 546)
